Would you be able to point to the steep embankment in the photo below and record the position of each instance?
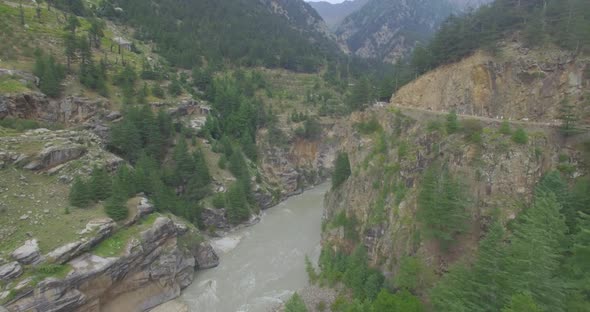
(515, 84)
(496, 169)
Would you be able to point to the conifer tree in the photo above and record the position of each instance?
(100, 184)
(536, 251)
(568, 118)
(341, 170)
(125, 179)
(80, 195)
(116, 206)
(442, 205)
(521, 303)
(238, 203)
(452, 122)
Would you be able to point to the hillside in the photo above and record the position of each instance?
(388, 30)
(287, 34)
(334, 14)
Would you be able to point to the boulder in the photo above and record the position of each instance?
(215, 218)
(205, 256)
(113, 115)
(55, 155)
(27, 253)
(10, 270)
(144, 207)
(63, 253)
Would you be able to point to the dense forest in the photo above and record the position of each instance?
(190, 32)
(564, 23)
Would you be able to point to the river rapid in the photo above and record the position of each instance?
(262, 265)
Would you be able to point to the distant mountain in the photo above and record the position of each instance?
(390, 29)
(272, 33)
(334, 14)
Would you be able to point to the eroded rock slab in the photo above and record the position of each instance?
(10, 270)
(28, 253)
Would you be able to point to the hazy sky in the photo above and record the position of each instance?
(331, 1)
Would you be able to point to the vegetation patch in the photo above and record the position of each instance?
(11, 85)
(116, 243)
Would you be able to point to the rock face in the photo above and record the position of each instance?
(10, 270)
(28, 253)
(381, 195)
(152, 270)
(205, 256)
(522, 84)
(390, 29)
(56, 155)
(101, 228)
(35, 105)
(302, 164)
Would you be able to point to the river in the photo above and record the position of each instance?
(262, 265)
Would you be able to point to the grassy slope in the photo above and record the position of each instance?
(46, 33)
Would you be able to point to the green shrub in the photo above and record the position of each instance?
(295, 304)
(452, 123)
(520, 136)
(80, 194)
(368, 127)
(473, 130)
(341, 170)
(505, 128)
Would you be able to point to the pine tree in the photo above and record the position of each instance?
(341, 170)
(238, 203)
(125, 179)
(522, 303)
(100, 184)
(295, 304)
(116, 206)
(568, 118)
(536, 251)
(442, 206)
(452, 122)
(80, 195)
(487, 291)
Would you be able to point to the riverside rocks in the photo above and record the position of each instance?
(205, 256)
(152, 269)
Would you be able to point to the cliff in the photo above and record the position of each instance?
(497, 172)
(516, 83)
(157, 260)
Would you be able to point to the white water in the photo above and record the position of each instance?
(262, 265)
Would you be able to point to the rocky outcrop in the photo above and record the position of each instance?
(152, 269)
(205, 256)
(56, 155)
(10, 270)
(36, 105)
(521, 84)
(293, 168)
(28, 253)
(215, 218)
(99, 230)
